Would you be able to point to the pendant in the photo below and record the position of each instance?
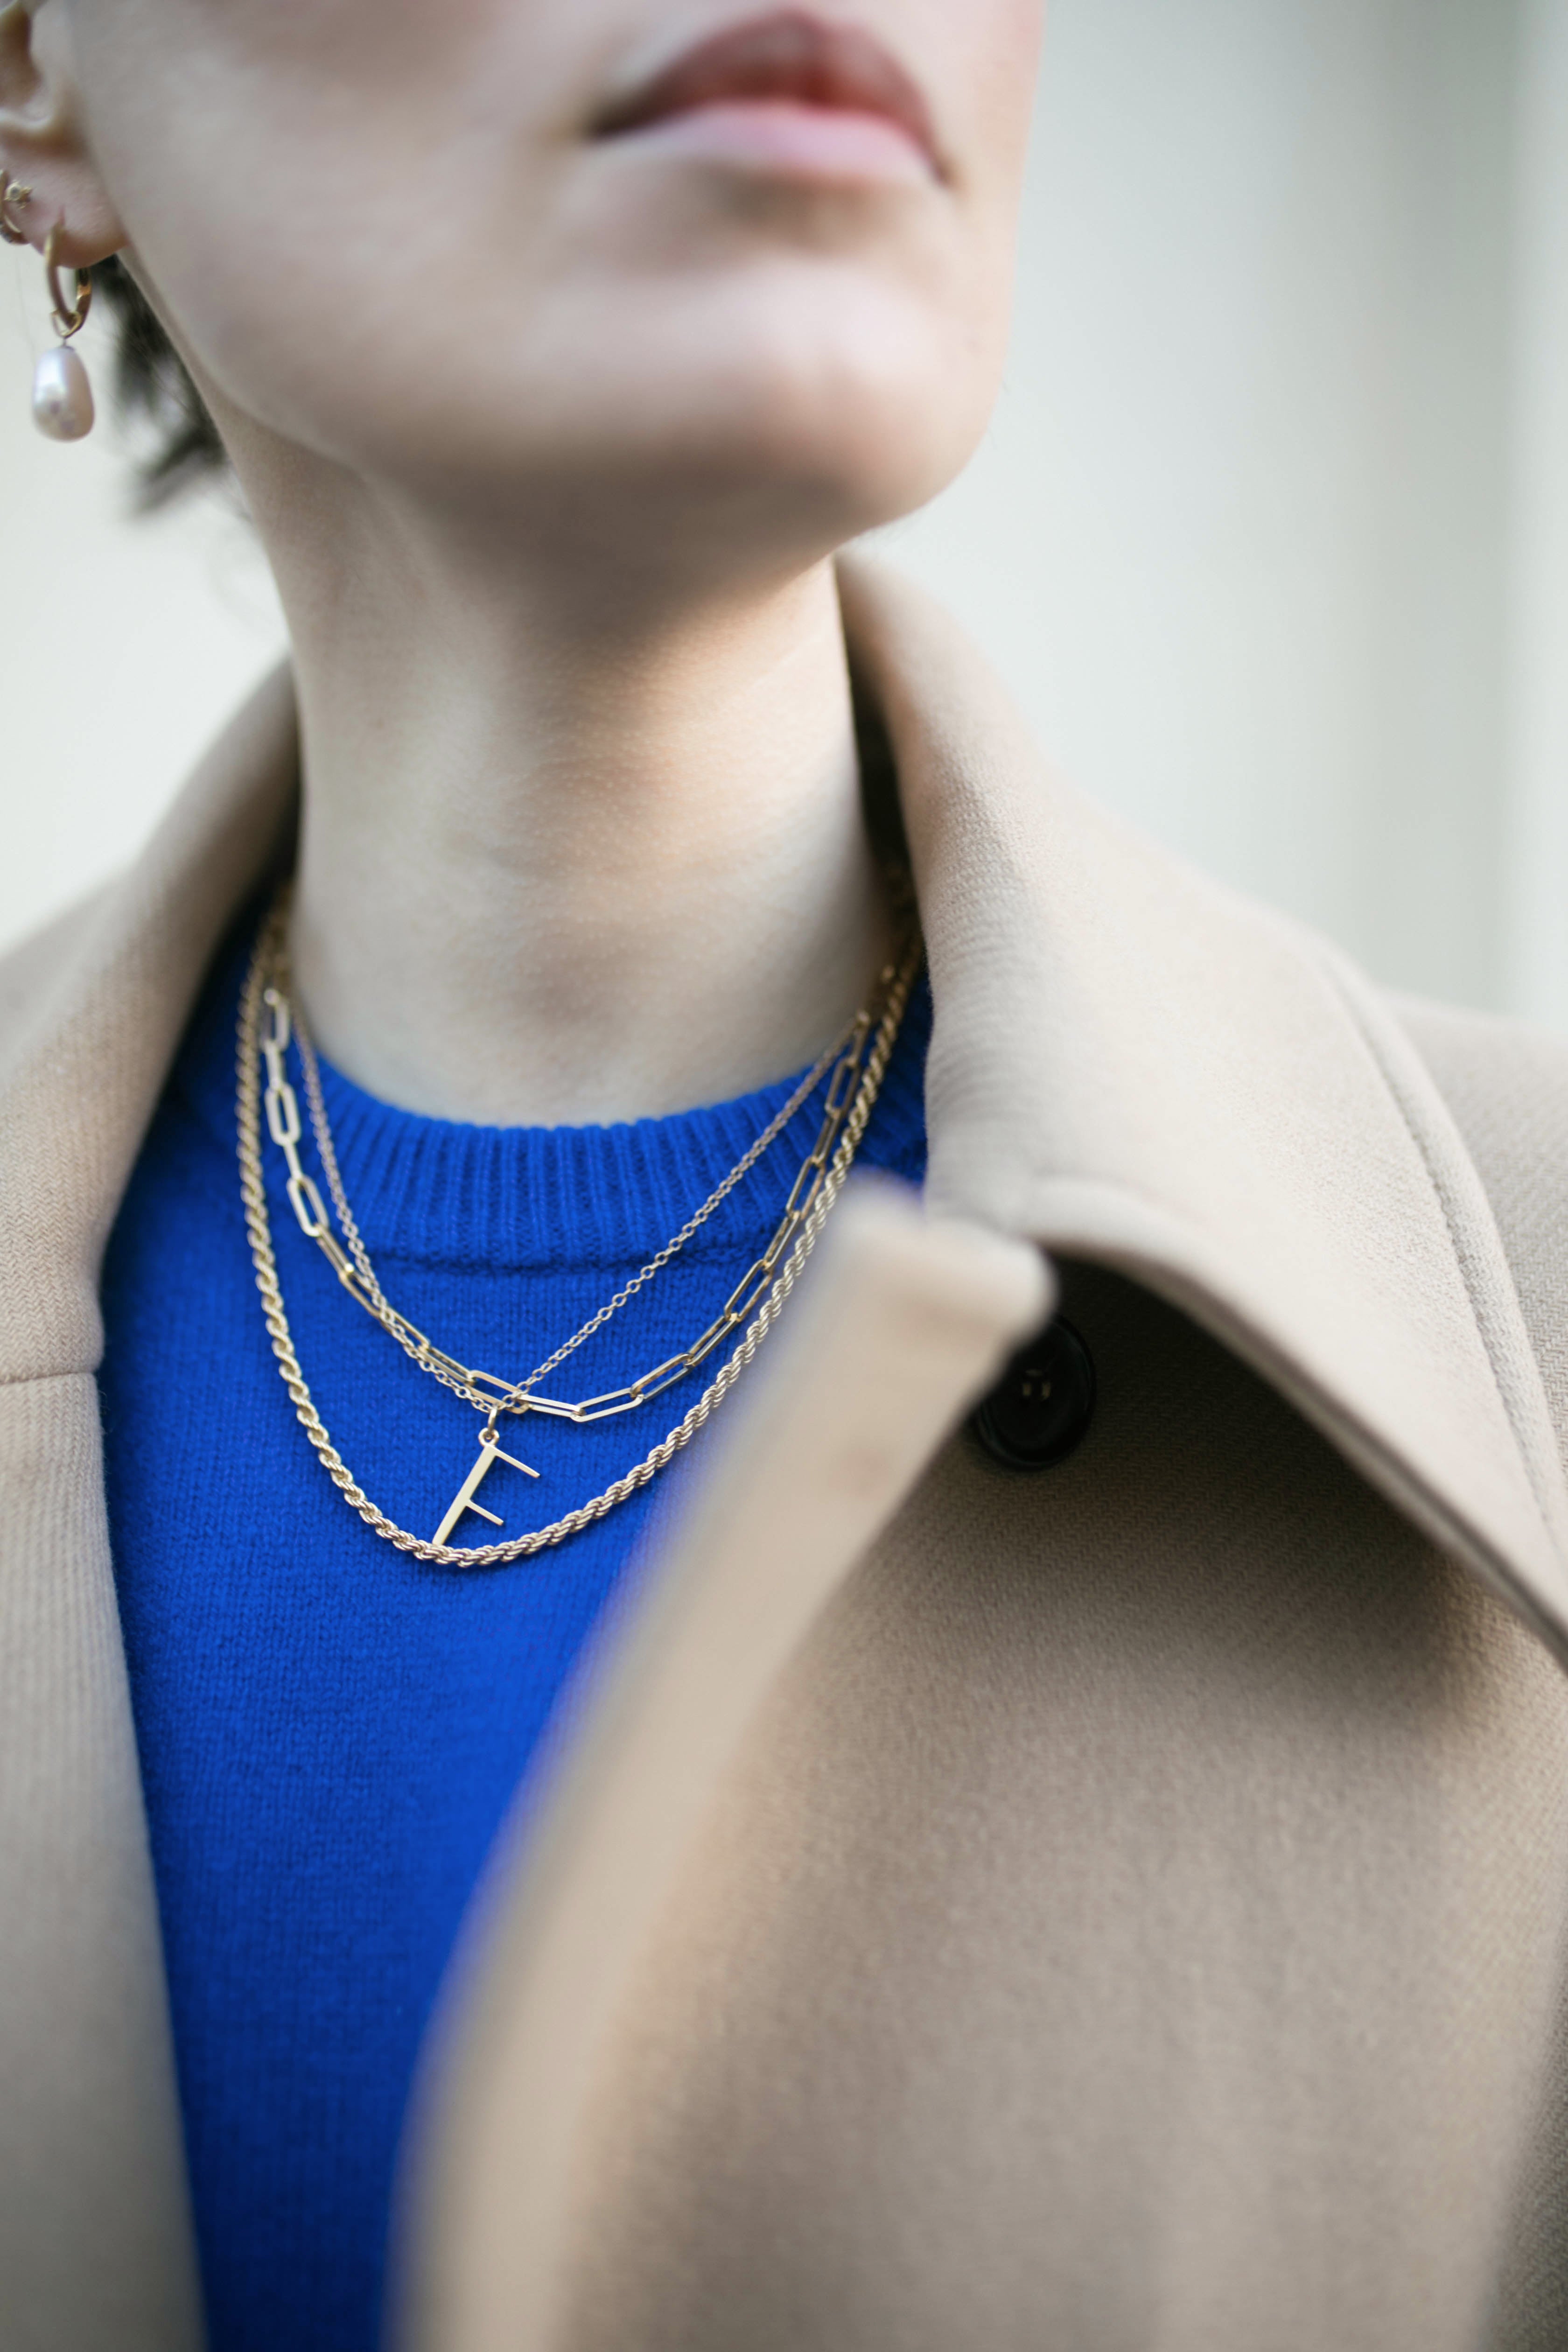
(489, 1454)
(62, 396)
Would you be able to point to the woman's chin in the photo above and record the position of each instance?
(796, 444)
(790, 491)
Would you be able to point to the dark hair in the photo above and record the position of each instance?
(152, 386)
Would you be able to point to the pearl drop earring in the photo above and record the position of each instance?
(62, 396)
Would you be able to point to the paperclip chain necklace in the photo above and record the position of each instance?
(859, 1057)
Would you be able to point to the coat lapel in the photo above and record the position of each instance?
(1137, 1067)
(899, 1321)
(95, 2241)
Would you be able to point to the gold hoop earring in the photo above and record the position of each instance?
(67, 318)
(62, 396)
(13, 199)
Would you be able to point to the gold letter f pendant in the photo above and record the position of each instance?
(489, 1454)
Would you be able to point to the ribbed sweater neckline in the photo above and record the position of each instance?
(440, 1193)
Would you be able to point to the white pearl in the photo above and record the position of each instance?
(62, 396)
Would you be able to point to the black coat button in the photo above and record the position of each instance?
(1043, 1404)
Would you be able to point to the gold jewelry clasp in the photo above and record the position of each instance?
(68, 318)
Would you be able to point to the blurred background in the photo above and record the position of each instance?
(1269, 535)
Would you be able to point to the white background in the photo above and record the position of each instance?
(1270, 534)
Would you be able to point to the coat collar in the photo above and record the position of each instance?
(91, 1012)
(1138, 1067)
(1130, 1065)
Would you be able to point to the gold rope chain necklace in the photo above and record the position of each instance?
(858, 1057)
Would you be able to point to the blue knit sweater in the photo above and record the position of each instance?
(330, 1732)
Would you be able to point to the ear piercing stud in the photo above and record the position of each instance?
(13, 199)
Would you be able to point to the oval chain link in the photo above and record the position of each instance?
(486, 1389)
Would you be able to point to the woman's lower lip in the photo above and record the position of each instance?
(780, 139)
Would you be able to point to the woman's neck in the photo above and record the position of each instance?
(558, 871)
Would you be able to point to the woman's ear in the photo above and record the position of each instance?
(42, 146)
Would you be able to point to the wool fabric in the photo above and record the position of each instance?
(330, 1732)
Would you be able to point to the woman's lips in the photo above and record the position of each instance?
(790, 91)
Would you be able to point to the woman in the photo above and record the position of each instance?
(987, 1889)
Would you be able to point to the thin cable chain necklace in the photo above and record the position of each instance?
(863, 1050)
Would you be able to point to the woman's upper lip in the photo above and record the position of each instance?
(787, 56)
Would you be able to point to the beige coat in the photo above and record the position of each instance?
(1121, 1909)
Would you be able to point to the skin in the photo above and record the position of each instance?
(551, 440)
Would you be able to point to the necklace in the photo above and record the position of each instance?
(858, 1059)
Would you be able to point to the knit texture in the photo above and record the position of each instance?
(330, 1732)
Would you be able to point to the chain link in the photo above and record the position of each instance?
(486, 1389)
(760, 1295)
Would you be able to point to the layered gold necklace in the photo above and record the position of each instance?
(270, 1021)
